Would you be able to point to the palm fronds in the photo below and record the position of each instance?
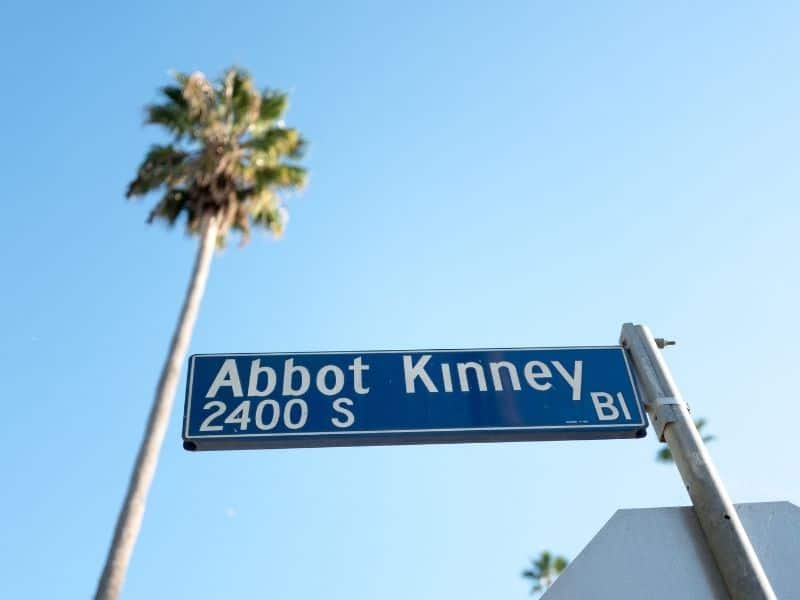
(231, 157)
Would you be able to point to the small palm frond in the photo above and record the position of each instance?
(560, 564)
(162, 165)
(274, 143)
(200, 97)
(169, 208)
(283, 176)
(543, 563)
(536, 584)
(241, 101)
(273, 105)
(544, 570)
(172, 114)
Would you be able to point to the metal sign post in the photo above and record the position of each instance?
(730, 546)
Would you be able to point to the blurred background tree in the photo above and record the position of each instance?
(544, 570)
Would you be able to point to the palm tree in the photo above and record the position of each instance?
(544, 570)
(229, 160)
(665, 454)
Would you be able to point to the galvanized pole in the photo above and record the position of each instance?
(736, 560)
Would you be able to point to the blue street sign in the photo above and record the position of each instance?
(237, 401)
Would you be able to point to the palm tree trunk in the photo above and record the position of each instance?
(129, 521)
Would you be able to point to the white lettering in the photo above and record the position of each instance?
(240, 415)
(276, 414)
(624, 406)
(510, 368)
(220, 408)
(358, 368)
(255, 372)
(535, 370)
(349, 417)
(604, 406)
(574, 380)
(447, 379)
(289, 371)
(287, 413)
(412, 371)
(228, 376)
(338, 380)
(462, 375)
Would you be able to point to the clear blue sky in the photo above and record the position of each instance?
(483, 175)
